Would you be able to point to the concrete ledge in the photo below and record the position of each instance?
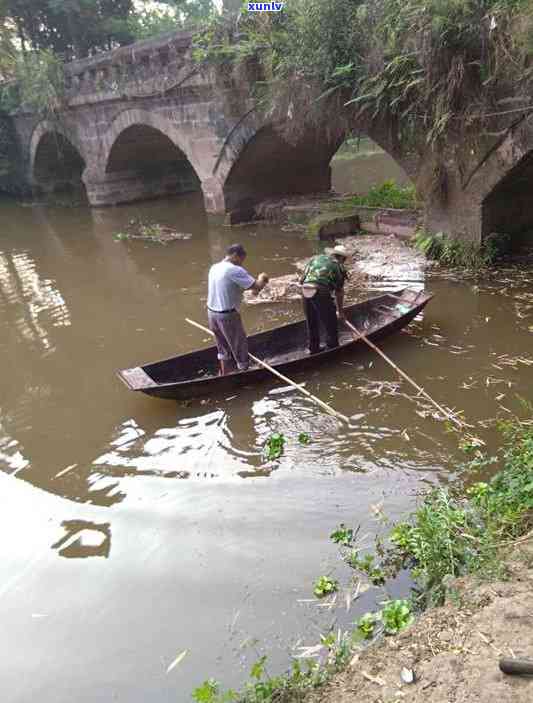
(334, 227)
(328, 217)
(377, 220)
(389, 220)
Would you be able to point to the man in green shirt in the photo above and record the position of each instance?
(324, 276)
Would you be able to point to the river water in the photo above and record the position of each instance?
(135, 529)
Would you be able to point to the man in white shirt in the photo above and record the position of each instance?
(227, 282)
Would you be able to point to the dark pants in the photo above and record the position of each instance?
(320, 310)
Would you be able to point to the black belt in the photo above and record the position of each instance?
(222, 312)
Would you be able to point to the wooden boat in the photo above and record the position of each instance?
(195, 374)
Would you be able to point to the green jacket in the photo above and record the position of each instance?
(326, 271)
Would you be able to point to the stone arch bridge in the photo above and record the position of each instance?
(145, 120)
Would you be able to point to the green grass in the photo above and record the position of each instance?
(291, 687)
(388, 194)
(458, 254)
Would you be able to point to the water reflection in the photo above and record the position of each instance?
(30, 303)
(83, 539)
(195, 447)
(11, 458)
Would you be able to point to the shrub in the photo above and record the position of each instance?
(458, 254)
(388, 194)
(450, 536)
(38, 83)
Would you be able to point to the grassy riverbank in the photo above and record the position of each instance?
(452, 650)
(454, 253)
(453, 543)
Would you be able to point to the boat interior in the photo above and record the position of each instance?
(287, 343)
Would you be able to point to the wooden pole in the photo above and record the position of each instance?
(516, 666)
(287, 380)
(447, 413)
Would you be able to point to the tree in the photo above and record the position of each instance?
(70, 28)
(232, 6)
(188, 12)
(8, 47)
(154, 18)
(75, 29)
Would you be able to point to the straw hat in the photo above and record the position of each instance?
(338, 250)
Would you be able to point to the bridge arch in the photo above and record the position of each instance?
(506, 208)
(56, 159)
(144, 155)
(134, 116)
(361, 163)
(257, 163)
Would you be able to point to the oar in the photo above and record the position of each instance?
(298, 387)
(448, 414)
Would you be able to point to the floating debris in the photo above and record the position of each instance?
(151, 232)
(407, 675)
(177, 660)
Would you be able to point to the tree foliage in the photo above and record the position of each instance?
(38, 36)
(428, 69)
(70, 28)
(38, 83)
(74, 29)
(152, 19)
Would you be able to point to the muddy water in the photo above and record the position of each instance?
(135, 529)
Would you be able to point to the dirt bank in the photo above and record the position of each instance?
(453, 650)
(374, 259)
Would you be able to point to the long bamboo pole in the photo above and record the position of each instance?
(287, 380)
(447, 413)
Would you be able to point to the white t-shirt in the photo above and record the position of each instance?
(226, 285)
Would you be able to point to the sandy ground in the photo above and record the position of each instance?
(453, 650)
(375, 259)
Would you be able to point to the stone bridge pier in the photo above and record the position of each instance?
(486, 189)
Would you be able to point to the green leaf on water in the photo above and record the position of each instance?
(207, 692)
(274, 446)
(324, 586)
(342, 535)
(304, 438)
(258, 669)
